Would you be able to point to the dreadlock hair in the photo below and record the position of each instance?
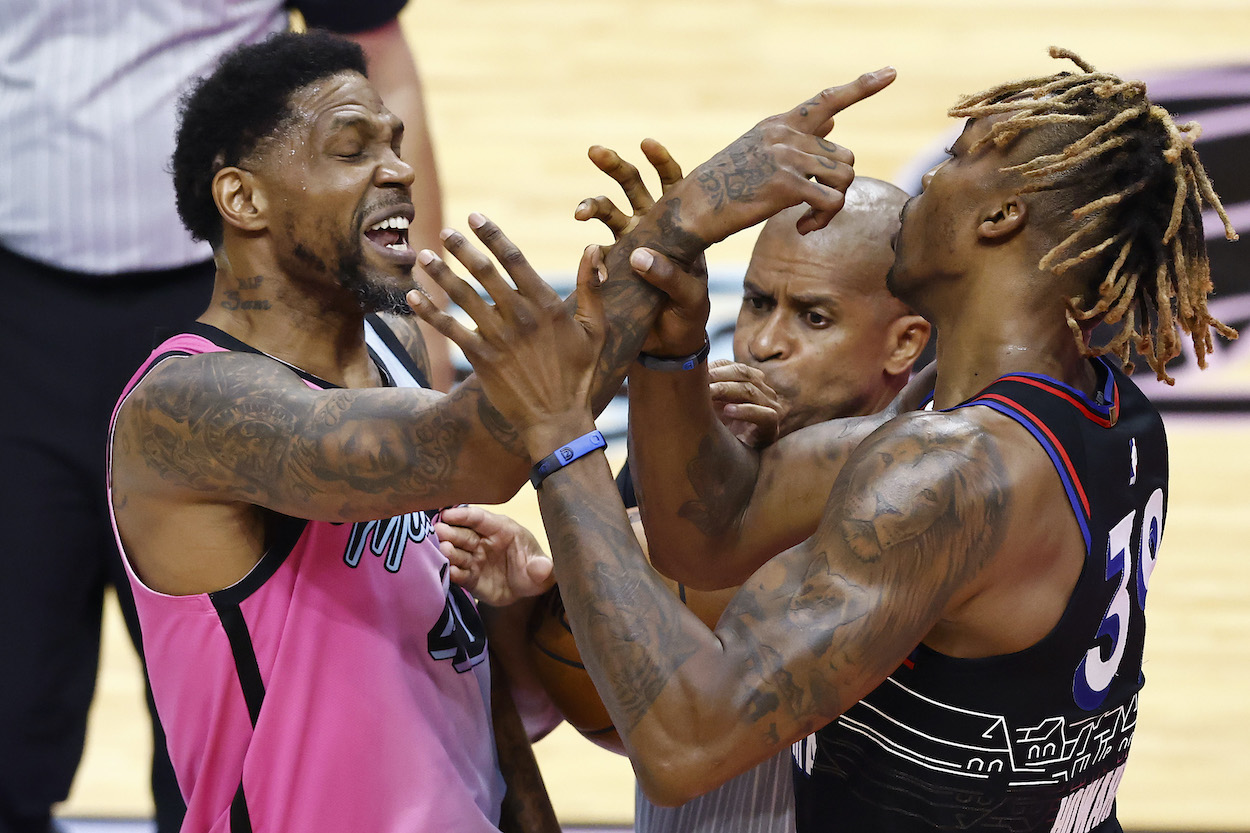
(1130, 187)
(226, 115)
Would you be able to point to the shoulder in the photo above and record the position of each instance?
(196, 390)
(933, 482)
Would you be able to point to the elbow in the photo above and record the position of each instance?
(502, 490)
(672, 778)
(701, 571)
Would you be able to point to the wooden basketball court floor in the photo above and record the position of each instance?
(517, 92)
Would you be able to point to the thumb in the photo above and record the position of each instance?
(590, 274)
(657, 270)
(540, 569)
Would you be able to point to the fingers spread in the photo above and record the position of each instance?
(602, 209)
(460, 293)
(663, 162)
(514, 263)
(479, 265)
(625, 174)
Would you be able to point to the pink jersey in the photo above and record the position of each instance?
(342, 685)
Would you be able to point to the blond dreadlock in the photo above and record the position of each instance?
(1141, 215)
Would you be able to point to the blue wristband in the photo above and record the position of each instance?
(566, 454)
(674, 363)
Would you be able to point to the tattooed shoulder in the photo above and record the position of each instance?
(193, 419)
(934, 487)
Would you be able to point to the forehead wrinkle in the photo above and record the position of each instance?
(814, 299)
(358, 117)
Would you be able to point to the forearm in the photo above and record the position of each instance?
(694, 479)
(683, 702)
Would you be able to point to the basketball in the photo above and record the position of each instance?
(559, 667)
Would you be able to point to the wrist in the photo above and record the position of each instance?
(673, 229)
(676, 361)
(572, 451)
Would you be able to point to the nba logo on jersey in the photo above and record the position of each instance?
(1132, 460)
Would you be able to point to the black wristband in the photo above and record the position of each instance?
(672, 363)
(566, 454)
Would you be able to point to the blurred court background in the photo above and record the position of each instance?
(517, 92)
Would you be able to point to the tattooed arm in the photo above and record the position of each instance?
(915, 520)
(241, 428)
(912, 522)
(782, 161)
(715, 509)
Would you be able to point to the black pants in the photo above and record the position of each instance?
(68, 344)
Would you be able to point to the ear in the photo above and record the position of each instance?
(906, 337)
(240, 199)
(1005, 220)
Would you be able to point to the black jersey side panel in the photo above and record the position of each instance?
(1036, 740)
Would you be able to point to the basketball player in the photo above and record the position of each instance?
(817, 337)
(308, 658)
(961, 619)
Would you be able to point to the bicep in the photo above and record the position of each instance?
(913, 521)
(792, 486)
(232, 428)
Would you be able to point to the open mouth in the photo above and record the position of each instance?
(391, 233)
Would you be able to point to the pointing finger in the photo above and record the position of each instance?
(816, 114)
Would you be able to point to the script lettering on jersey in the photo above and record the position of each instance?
(1088, 807)
(1093, 677)
(387, 538)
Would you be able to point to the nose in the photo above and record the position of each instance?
(393, 170)
(928, 177)
(772, 340)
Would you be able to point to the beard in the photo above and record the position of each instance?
(372, 295)
(349, 269)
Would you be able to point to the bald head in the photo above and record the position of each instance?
(816, 316)
(855, 246)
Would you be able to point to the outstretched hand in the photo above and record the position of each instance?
(492, 556)
(628, 177)
(682, 323)
(534, 357)
(781, 162)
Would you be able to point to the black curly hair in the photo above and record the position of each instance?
(224, 115)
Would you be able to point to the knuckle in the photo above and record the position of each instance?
(510, 256)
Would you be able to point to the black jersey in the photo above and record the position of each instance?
(1036, 740)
